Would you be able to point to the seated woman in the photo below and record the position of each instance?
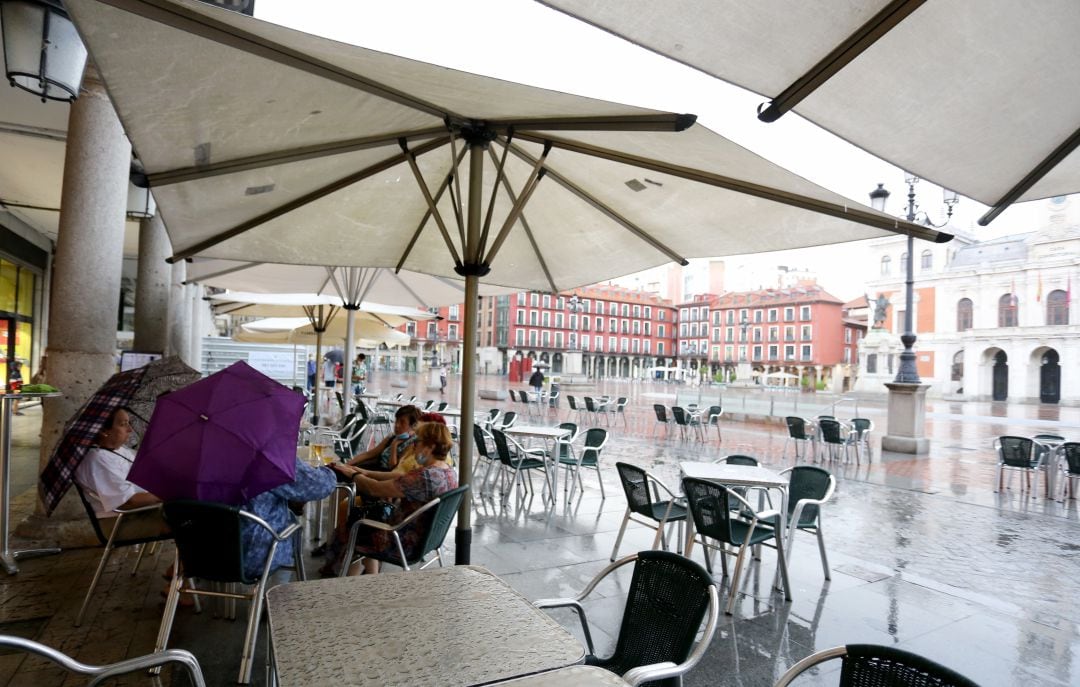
(433, 478)
(102, 475)
(386, 454)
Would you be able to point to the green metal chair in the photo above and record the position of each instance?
(1070, 451)
(434, 518)
(210, 547)
(589, 457)
(862, 427)
(809, 488)
(1020, 454)
(668, 599)
(713, 420)
(834, 435)
(518, 465)
(643, 499)
(711, 507)
(798, 432)
(99, 674)
(868, 665)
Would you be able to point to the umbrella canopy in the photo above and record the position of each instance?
(137, 390)
(352, 284)
(268, 144)
(315, 307)
(226, 438)
(983, 99)
(297, 330)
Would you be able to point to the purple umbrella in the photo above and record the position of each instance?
(225, 438)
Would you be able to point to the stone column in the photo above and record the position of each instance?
(195, 293)
(179, 343)
(86, 267)
(152, 289)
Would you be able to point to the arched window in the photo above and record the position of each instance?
(927, 260)
(903, 263)
(1057, 307)
(886, 265)
(1007, 315)
(964, 318)
(957, 372)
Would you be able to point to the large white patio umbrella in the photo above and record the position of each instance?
(299, 331)
(266, 144)
(982, 98)
(321, 312)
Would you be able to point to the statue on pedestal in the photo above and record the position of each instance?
(881, 304)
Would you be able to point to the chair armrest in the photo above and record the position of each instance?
(375, 524)
(651, 672)
(141, 509)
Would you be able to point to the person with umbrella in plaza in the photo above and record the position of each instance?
(231, 438)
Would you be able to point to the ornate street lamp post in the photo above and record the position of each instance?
(908, 372)
(575, 306)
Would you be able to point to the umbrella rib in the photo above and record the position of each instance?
(401, 282)
(824, 207)
(455, 192)
(322, 286)
(432, 209)
(525, 226)
(531, 183)
(652, 121)
(1060, 153)
(606, 209)
(183, 174)
(424, 219)
(318, 193)
(222, 273)
(500, 172)
(189, 21)
(839, 57)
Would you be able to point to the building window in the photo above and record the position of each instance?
(871, 363)
(451, 332)
(886, 265)
(545, 337)
(521, 317)
(659, 348)
(646, 347)
(660, 330)
(730, 319)
(758, 315)
(807, 353)
(847, 334)
(1007, 310)
(584, 323)
(534, 299)
(558, 340)
(847, 355)
(772, 315)
(648, 328)
(547, 318)
(789, 314)
(637, 326)
(532, 337)
(1057, 307)
(521, 298)
(599, 324)
(774, 333)
(804, 313)
(560, 303)
(558, 320)
(964, 315)
(547, 301)
(533, 317)
(729, 334)
(756, 352)
(648, 313)
(789, 353)
(519, 337)
(625, 310)
(789, 333)
(807, 333)
(757, 334)
(774, 352)
(637, 311)
(926, 263)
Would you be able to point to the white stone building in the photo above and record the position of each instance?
(995, 319)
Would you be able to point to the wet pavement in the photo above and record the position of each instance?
(924, 556)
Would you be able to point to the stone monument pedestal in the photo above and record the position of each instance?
(572, 363)
(907, 419)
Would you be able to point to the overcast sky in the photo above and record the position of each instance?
(522, 41)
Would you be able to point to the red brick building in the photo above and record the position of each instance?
(619, 332)
(791, 337)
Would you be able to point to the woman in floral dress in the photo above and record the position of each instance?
(433, 478)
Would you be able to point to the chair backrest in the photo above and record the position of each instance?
(714, 414)
(492, 414)
(442, 517)
(796, 427)
(523, 396)
(508, 419)
(667, 600)
(1016, 451)
(428, 404)
(709, 507)
(502, 447)
(1071, 451)
(443, 405)
(635, 484)
(661, 412)
(590, 404)
(564, 444)
(362, 410)
(679, 415)
(572, 401)
(513, 395)
(620, 403)
(739, 459)
(595, 439)
(208, 538)
(98, 674)
(868, 664)
(807, 482)
(481, 441)
(90, 512)
(830, 431)
(861, 425)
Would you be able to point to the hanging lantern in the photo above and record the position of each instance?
(43, 53)
(140, 202)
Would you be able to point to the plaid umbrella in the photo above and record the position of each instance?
(137, 390)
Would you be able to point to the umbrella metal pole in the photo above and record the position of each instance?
(350, 344)
(473, 267)
(318, 377)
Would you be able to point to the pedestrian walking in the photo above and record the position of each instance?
(442, 380)
(312, 368)
(536, 381)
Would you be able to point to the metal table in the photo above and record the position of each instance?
(740, 476)
(460, 625)
(574, 676)
(550, 435)
(7, 556)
